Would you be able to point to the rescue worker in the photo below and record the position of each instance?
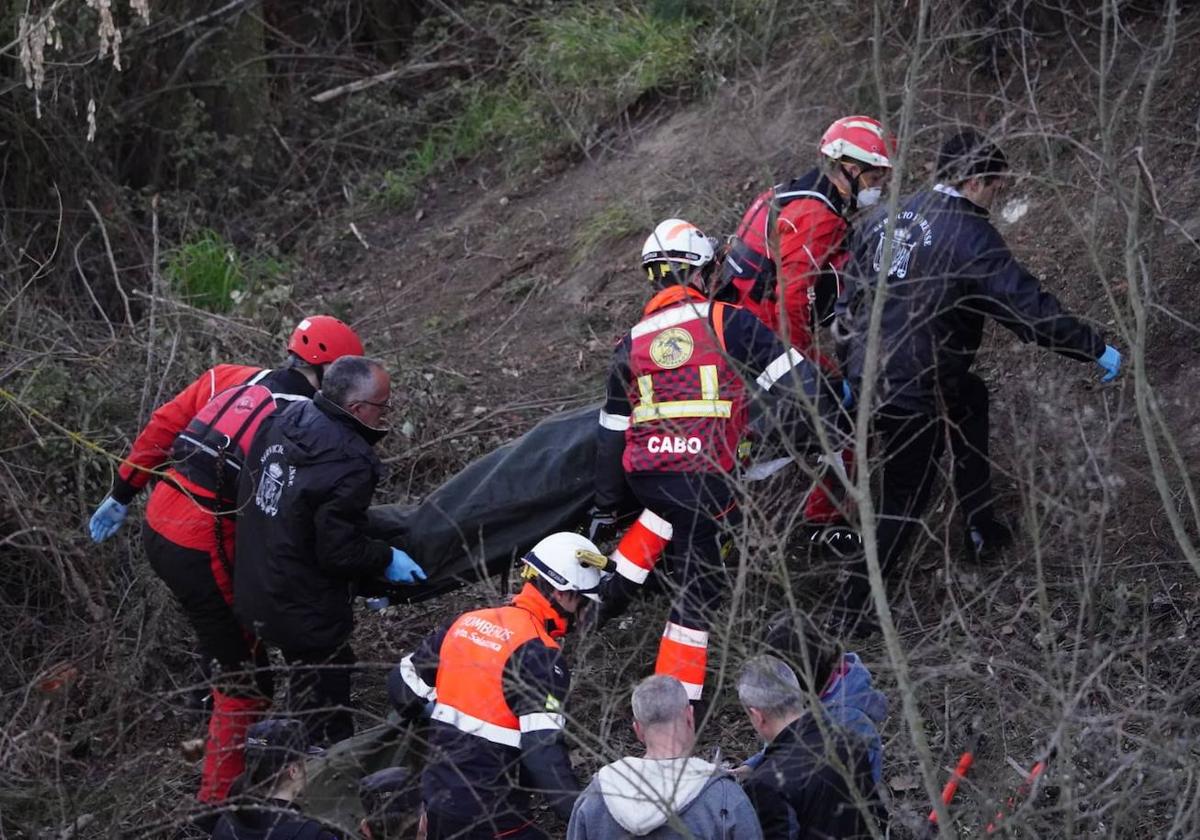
(301, 537)
(675, 413)
(784, 262)
(496, 681)
(947, 270)
(189, 528)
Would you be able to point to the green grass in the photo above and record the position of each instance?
(596, 61)
(208, 272)
(582, 68)
(607, 225)
(487, 117)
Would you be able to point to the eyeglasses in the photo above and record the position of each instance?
(382, 406)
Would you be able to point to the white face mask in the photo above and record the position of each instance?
(869, 196)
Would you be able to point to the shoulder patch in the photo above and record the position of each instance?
(553, 704)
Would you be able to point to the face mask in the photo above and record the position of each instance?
(869, 196)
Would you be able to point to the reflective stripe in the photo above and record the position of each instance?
(685, 635)
(778, 369)
(629, 570)
(733, 263)
(682, 408)
(710, 383)
(539, 721)
(614, 422)
(646, 389)
(290, 397)
(418, 686)
(683, 654)
(472, 725)
(673, 317)
(655, 524)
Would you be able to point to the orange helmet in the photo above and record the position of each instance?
(859, 139)
(319, 339)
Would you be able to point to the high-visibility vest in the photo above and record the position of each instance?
(689, 407)
(470, 677)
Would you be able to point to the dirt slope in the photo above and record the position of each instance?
(499, 301)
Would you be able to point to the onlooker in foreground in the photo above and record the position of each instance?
(841, 682)
(667, 793)
(274, 779)
(814, 781)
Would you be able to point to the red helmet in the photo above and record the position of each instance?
(859, 139)
(320, 339)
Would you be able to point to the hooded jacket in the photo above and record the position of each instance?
(948, 270)
(301, 549)
(801, 789)
(854, 704)
(661, 799)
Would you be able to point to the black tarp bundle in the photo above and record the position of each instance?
(498, 506)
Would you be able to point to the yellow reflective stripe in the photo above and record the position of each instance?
(710, 383)
(646, 389)
(682, 408)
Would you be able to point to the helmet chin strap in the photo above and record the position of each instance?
(852, 180)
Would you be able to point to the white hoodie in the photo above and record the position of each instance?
(641, 794)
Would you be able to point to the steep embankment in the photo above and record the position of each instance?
(499, 303)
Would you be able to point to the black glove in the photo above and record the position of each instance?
(602, 526)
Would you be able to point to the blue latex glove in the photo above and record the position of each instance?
(403, 569)
(1110, 360)
(847, 396)
(107, 519)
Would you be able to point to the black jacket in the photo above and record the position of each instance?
(949, 269)
(273, 820)
(801, 785)
(302, 505)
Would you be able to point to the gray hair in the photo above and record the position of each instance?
(350, 379)
(766, 683)
(659, 699)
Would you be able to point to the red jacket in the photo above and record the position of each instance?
(811, 230)
(186, 518)
(151, 450)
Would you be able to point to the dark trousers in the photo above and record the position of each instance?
(907, 450)
(699, 507)
(240, 663)
(319, 692)
(443, 827)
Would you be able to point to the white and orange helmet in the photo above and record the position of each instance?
(860, 139)
(678, 252)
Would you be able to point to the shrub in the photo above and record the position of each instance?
(209, 273)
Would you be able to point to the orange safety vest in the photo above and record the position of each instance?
(470, 676)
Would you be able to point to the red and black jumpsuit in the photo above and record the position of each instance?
(675, 412)
(180, 537)
(789, 291)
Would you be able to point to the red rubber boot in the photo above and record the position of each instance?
(225, 750)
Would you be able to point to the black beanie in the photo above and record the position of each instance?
(968, 154)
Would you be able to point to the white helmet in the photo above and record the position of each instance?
(569, 562)
(678, 241)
